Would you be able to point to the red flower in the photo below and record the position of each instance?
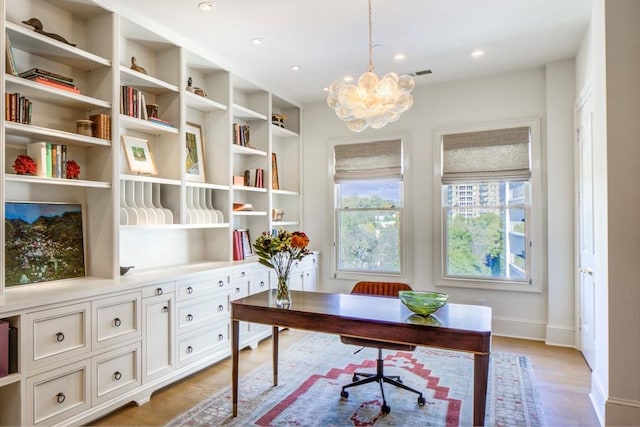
(24, 165)
(73, 170)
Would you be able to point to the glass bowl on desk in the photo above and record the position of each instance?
(423, 303)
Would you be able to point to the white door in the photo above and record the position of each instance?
(586, 250)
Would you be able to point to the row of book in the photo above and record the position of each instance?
(101, 125)
(241, 134)
(134, 104)
(51, 79)
(17, 108)
(51, 159)
(241, 245)
(8, 348)
(254, 178)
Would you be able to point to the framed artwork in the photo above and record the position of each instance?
(194, 162)
(139, 156)
(247, 249)
(44, 242)
(275, 184)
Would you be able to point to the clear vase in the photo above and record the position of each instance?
(283, 297)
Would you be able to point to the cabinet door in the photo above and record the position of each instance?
(158, 342)
(309, 279)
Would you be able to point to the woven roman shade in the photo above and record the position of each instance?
(486, 155)
(369, 160)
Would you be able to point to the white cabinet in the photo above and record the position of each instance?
(158, 308)
(304, 274)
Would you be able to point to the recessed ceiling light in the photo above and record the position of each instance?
(478, 53)
(257, 40)
(206, 6)
(325, 89)
(348, 78)
(400, 56)
(295, 68)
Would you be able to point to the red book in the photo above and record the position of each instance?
(42, 81)
(238, 254)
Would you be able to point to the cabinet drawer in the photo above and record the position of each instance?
(239, 289)
(201, 342)
(116, 372)
(58, 394)
(260, 282)
(158, 289)
(193, 314)
(116, 319)
(58, 334)
(243, 272)
(202, 286)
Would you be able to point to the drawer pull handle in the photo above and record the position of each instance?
(262, 283)
(220, 337)
(189, 317)
(189, 290)
(60, 337)
(220, 283)
(243, 273)
(220, 307)
(117, 375)
(189, 349)
(165, 309)
(159, 291)
(117, 322)
(237, 290)
(60, 397)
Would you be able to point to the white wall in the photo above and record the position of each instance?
(489, 99)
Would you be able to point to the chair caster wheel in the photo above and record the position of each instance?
(421, 401)
(385, 409)
(344, 394)
(355, 378)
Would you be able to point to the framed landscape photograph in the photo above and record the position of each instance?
(194, 162)
(139, 156)
(44, 242)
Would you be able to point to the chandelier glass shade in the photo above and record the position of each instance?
(372, 102)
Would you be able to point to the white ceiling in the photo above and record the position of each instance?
(329, 38)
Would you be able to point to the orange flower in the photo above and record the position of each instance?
(299, 240)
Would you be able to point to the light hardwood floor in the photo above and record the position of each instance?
(562, 376)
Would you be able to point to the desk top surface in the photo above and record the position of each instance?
(374, 309)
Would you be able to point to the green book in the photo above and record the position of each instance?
(49, 161)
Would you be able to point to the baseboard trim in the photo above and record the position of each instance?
(560, 336)
(517, 328)
(598, 398)
(622, 412)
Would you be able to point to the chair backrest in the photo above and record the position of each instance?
(389, 289)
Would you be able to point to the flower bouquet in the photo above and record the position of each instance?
(278, 250)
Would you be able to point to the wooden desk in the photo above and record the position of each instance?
(462, 328)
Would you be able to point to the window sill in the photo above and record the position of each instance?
(488, 285)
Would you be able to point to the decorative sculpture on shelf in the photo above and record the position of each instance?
(24, 165)
(38, 28)
(125, 270)
(194, 89)
(136, 67)
(73, 169)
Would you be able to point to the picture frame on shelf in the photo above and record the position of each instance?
(139, 156)
(194, 154)
(44, 242)
(10, 67)
(245, 239)
(275, 183)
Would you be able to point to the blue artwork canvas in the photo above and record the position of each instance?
(44, 242)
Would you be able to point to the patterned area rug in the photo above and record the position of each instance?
(313, 370)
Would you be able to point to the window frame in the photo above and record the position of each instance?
(535, 211)
(404, 210)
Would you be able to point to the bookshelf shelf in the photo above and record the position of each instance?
(249, 188)
(249, 213)
(280, 132)
(286, 193)
(245, 113)
(146, 126)
(28, 40)
(203, 104)
(247, 151)
(150, 179)
(145, 83)
(28, 179)
(24, 134)
(50, 94)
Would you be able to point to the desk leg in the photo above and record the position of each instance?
(235, 336)
(480, 377)
(275, 355)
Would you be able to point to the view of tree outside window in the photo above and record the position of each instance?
(485, 232)
(369, 221)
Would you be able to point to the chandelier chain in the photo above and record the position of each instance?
(370, 40)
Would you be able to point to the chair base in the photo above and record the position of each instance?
(380, 378)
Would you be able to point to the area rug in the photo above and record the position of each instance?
(313, 370)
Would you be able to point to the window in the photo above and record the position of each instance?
(369, 207)
(488, 221)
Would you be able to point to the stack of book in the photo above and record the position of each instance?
(51, 79)
(241, 134)
(51, 159)
(254, 178)
(102, 125)
(241, 245)
(132, 103)
(17, 108)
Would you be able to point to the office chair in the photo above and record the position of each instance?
(388, 289)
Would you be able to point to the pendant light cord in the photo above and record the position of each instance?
(370, 41)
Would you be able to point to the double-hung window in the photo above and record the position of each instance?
(487, 215)
(368, 205)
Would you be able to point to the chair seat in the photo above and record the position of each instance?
(364, 342)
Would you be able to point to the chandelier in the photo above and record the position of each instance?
(373, 102)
